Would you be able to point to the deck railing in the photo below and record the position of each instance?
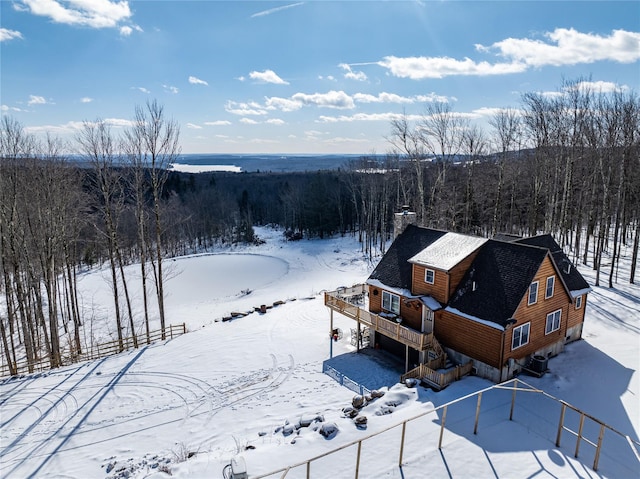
(388, 327)
(438, 379)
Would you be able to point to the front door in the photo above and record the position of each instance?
(427, 320)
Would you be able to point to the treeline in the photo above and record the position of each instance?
(567, 163)
(56, 217)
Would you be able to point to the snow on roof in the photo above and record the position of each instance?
(580, 292)
(448, 251)
(431, 303)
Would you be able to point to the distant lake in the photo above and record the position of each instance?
(252, 163)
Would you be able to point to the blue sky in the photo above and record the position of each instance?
(300, 77)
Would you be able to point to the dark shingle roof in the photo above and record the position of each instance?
(502, 273)
(394, 269)
(570, 274)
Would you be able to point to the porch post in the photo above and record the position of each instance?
(358, 339)
(406, 360)
(331, 334)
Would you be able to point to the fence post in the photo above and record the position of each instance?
(308, 469)
(579, 434)
(475, 427)
(598, 447)
(560, 424)
(404, 428)
(444, 418)
(513, 399)
(358, 458)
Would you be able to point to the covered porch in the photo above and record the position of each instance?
(350, 302)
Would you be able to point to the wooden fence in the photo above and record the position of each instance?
(101, 350)
(439, 380)
(509, 385)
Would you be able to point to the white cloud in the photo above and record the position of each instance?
(267, 76)
(386, 117)
(487, 112)
(119, 122)
(196, 81)
(12, 108)
(341, 140)
(602, 86)
(86, 99)
(594, 86)
(140, 88)
(243, 109)
(562, 47)
(351, 75)
(6, 34)
(328, 77)
(37, 100)
(94, 13)
(171, 89)
(283, 104)
(275, 121)
(331, 99)
(385, 97)
(420, 68)
(248, 121)
(570, 47)
(276, 9)
(217, 123)
(193, 126)
(127, 30)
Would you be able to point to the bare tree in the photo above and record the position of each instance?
(156, 140)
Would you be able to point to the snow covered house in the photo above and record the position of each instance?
(493, 307)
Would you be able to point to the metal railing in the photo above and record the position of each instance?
(509, 385)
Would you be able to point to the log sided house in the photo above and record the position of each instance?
(494, 307)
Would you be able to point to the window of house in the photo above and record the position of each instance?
(551, 281)
(553, 322)
(520, 336)
(429, 276)
(533, 293)
(391, 302)
(579, 302)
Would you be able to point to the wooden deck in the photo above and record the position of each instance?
(390, 328)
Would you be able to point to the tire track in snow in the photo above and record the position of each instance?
(90, 403)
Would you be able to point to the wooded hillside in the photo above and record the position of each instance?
(567, 164)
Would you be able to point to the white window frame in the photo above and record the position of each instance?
(426, 273)
(553, 321)
(548, 294)
(535, 298)
(579, 302)
(388, 299)
(525, 327)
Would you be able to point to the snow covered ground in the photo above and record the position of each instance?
(187, 406)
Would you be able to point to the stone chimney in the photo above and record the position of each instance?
(402, 219)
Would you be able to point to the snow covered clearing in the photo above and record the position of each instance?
(255, 386)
